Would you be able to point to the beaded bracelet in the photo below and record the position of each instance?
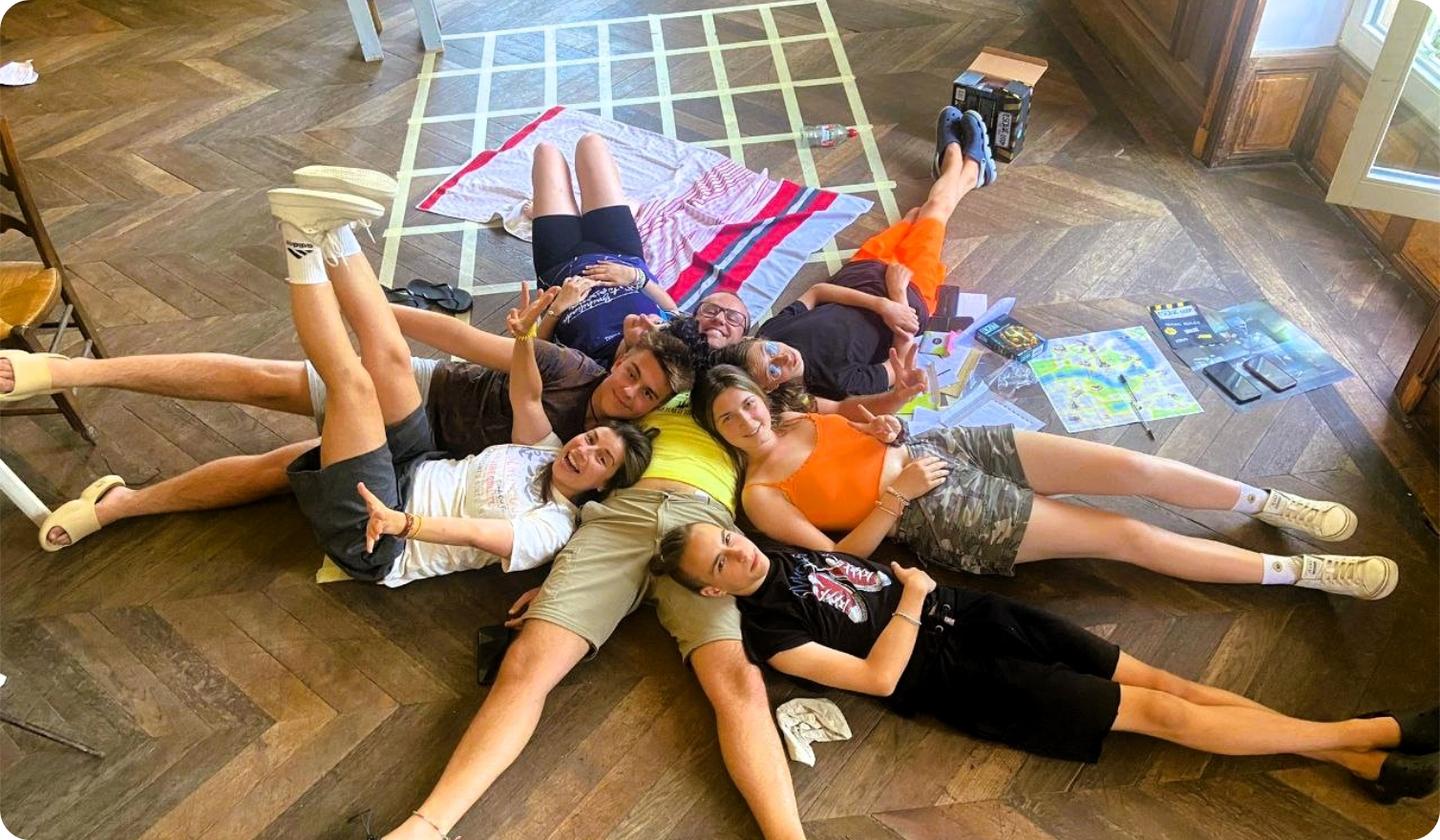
(908, 617)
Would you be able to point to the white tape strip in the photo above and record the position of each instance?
(633, 19)
(407, 164)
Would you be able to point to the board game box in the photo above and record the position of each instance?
(1011, 339)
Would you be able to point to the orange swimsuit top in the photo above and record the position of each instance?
(837, 485)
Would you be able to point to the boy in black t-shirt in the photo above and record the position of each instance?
(1001, 670)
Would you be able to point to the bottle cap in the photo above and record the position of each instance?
(852, 131)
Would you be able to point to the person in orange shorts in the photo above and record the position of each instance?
(837, 337)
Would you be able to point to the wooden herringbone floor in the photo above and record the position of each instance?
(235, 698)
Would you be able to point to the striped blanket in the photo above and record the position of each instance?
(708, 224)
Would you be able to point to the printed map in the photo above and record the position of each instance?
(1081, 376)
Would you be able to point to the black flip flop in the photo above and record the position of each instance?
(442, 296)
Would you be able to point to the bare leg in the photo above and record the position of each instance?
(353, 423)
(213, 377)
(383, 350)
(748, 740)
(1057, 464)
(958, 176)
(226, 482)
(552, 193)
(599, 176)
(1058, 529)
(1241, 730)
(1131, 671)
(540, 657)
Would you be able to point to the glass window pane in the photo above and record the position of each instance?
(1412, 140)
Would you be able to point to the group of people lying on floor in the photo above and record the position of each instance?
(621, 450)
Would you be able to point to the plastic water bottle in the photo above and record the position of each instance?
(828, 135)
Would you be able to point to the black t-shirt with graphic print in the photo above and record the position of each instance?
(835, 600)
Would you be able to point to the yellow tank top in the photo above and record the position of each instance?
(686, 453)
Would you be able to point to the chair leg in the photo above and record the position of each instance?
(83, 322)
(67, 405)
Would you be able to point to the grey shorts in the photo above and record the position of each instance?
(975, 520)
(337, 514)
(423, 369)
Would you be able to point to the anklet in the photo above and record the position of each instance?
(426, 820)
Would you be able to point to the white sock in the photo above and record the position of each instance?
(303, 264)
(1280, 570)
(348, 243)
(1252, 499)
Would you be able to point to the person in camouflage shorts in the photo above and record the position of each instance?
(981, 500)
(975, 519)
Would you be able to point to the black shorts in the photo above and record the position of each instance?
(868, 276)
(1011, 673)
(337, 514)
(557, 240)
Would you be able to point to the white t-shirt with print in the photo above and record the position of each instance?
(502, 482)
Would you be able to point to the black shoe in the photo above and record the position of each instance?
(1401, 776)
(1419, 729)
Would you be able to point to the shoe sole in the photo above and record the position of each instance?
(987, 166)
(366, 183)
(345, 203)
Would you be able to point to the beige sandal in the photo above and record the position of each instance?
(77, 516)
(32, 374)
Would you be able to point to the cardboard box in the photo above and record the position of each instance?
(998, 84)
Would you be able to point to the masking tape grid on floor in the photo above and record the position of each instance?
(733, 143)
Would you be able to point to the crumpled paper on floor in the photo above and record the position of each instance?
(18, 73)
(807, 720)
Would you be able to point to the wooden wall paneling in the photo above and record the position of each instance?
(1281, 99)
(1227, 79)
(1421, 249)
(1178, 51)
(1418, 378)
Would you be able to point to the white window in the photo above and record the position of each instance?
(1399, 40)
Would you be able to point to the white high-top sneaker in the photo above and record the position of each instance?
(315, 215)
(1328, 521)
(1366, 578)
(366, 183)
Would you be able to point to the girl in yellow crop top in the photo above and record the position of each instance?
(977, 499)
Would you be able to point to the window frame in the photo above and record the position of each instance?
(1358, 182)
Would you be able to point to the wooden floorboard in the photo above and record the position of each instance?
(236, 698)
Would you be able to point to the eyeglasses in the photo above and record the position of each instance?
(733, 317)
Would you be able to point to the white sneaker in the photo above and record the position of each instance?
(367, 183)
(1367, 578)
(314, 216)
(1328, 521)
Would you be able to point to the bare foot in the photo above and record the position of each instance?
(7, 376)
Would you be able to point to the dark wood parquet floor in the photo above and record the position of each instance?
(235, 698)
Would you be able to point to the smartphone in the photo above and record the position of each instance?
(1267, 371)
(491, 642)
(1229, 379)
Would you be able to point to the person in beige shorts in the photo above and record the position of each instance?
(600, 577)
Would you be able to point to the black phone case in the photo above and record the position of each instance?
(1256, 369)
(1243, 392)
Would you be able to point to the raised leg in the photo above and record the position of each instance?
(540, 657)
(1057, 464)
(383, 350)
(552, 193)
(353, 424)
(212, 377)
(749, 742)
(222, 483)
(1058, 529)
(958, 176)
(598, 175)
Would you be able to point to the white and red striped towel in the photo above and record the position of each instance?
(708, 223)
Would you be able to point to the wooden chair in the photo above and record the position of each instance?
(29, 291)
